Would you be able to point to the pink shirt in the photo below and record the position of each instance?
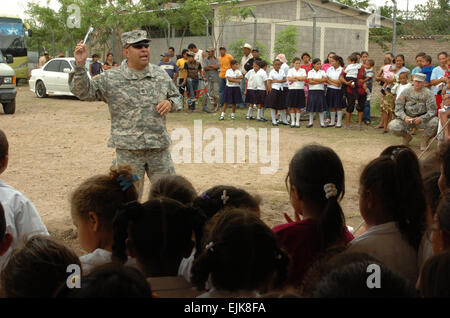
(386, 71)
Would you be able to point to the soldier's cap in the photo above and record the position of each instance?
(165, 54)
(211, 49)
(132, 37)
(420, 77)
(190, 53)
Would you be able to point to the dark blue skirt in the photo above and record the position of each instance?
(232, 95)
(255, 96)
(334, 97)
(316, 101)
(275, 100)
(296, 98)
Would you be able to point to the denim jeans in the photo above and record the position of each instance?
(192, 85)
(222, 84)
(366, 115)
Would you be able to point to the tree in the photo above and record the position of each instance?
(286, 42)
(359, 4)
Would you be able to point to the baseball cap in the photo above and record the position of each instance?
(255, 50)
(222, 48)
(46, 52)
(211, 49)
(247, 46)
(165, 54)
(420, 77)
(135, 36)
(190, 53)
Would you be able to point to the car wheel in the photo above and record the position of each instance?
(9, 108)
(41, 91)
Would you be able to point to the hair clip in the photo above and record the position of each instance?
(125, 183)
(210, 246)
(330, 190)
(224, 197)
(205, 196)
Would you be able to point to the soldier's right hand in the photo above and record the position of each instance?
(80, 54)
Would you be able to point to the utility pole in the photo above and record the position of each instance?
(314, 29)
(255, 28)
(207, 32)
(394, 36)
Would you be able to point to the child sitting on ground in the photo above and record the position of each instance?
(393, 205)
(22, 218)
(174, 187)
(241, 259)
(158, 234)
(37, 269)
(93, 207)
(315, 184)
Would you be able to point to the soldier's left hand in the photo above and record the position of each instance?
(417, 120)
(164, 107)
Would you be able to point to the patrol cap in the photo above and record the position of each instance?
(132, 37)
(420, 77)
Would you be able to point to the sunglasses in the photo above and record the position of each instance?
(140, 45)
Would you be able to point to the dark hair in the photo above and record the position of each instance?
(111, 280)
(371, 62)
(391, 54)
(421, 54)
(432, 192)
(277, 60)
(353, 58)
(4, 146)
(402, 56)
(356, 53)
(428, 59)
(341, 61)
(262, 64)
(233, 62)
(435, 276)
(95, 55)
(192, 46)
(442, 53)
(443, 212)
(350, 281)
(172, 48)
(243, 255)
(2, 223)
(109, 54)
(315, 61)
(37, 269)
(184, 52)
(364, 52)
(160, 231)
(175, 187)
(306, 55)
(394, 178)
(295, 59)
(328, 56)
(211, 203)
(444, 156)
(311, 168)
(103, 194)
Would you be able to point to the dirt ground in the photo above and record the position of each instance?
(57, 142)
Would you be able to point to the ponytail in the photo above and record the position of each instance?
(331, 222)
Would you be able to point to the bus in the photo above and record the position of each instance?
(12, 41)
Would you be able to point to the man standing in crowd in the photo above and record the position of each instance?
(211, 68)
(139, 95)
(224, 60)
(199, 54)
(44, 59)
(438, 79)
(170, 67)
(249, 65)
(415, 108)
(247, 48)
(172, 55)
(193, 69)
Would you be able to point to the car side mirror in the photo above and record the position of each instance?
(9, 59)
(66, 70)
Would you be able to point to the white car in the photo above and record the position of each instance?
(53, 77)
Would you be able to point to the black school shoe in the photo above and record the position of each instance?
(309, 125)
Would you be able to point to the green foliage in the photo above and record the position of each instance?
(359, 4)
(286, 42)
(235, 49)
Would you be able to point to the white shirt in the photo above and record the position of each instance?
(352, 70)
(244, 61)
(22, 218)
(100, 257)
(232, 74)
(334, 74)
(277, 76)
(256, 80)
(316, 75)
(294, 73)
(425, 250)
(285, 69)
(199, 56)
(387, 244)
(185, 268)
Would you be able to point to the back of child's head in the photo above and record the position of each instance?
(317, 174)
(353, 58)
(4, 146)
(112, 280)
(387, 60)
(242, 254)
(233, 62)
(435, 277)
(351, 281)
(37, 269)
(394, 180)
(444, 156)
(175, 187)
(104, 194)
(441, 239)
(159, 231)
(371, 62)
(428, 59)
(261, 64)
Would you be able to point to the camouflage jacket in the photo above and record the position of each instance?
(132, 97)
(412, 104)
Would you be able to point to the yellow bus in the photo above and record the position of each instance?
(12, 41)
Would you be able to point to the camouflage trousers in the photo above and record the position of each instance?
(155, 162)
(399, 127)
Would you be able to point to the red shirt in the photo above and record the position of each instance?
(307, 68)
(301, 241)
(359, 78)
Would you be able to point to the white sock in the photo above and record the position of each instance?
(258, 116)
(311, 118)
(274, 115)
(297, 119)
(333, 117)
(222, 115)
(283, 116)
(262, 112)
(250, 111)
(339, 114)
(321, 115)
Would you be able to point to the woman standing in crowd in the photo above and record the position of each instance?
(370, 71)
(334, 91)
(109, 63)
(296, 96)
(316, 100)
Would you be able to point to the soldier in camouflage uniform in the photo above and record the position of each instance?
(139, 95)
(415, 108)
